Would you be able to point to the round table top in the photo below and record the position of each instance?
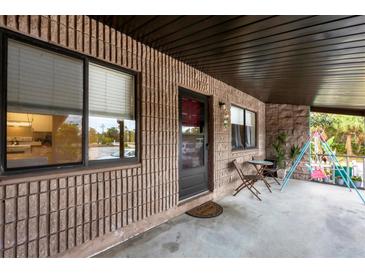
(261, 162)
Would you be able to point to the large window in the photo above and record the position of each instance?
(112, 125)
(44, 107)
(45, 113)
(243, 127)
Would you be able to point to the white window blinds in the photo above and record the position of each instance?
(237, 115)
(40, 81)
(111, 93)
(250, 118)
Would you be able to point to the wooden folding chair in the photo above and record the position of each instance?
(247, 181)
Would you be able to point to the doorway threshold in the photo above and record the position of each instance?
(186, 200)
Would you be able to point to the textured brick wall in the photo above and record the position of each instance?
(224, 172)
(48, 214)
(294, 121)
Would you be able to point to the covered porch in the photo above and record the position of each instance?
(306, 220)
(192, 94)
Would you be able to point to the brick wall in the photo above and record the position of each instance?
(294, 121)
(65, 213)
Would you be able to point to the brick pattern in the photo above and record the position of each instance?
(48, 215)
(43, 218)
(294, 121)
(224, 172)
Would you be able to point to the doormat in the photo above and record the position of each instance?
(207, 210)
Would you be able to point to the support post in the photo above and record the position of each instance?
(342, 171)
(363, 172)
(121, 138)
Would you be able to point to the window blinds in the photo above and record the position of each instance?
(111, 93)
(40, 81)
(237, 115)
(250, 118)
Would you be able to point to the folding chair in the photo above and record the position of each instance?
(271, 172)
(247, 181)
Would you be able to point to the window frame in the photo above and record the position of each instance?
(244, 125)
(136, 114)
(255, 113)
(5, 35)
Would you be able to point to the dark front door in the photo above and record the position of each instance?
(193, 143)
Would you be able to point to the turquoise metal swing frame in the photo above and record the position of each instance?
(347, 179)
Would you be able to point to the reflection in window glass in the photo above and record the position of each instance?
(237, 127)
(250, 129)
(192, 154)
(112, 126)
(44, 107)
(243, 128)
(105, 135)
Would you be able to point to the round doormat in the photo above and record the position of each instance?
(207, 210)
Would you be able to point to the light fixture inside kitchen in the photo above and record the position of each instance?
(18, 124)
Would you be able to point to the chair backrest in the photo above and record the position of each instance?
(261, 158)
(238, 168)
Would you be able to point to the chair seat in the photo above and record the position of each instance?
(252, 177)
(271, 170)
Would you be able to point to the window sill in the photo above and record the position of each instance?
(251, 148)
(34, 175)
(235, 151)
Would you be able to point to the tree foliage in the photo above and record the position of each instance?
(68, 142)
(279, 149)
(345, 132)
(110, 136)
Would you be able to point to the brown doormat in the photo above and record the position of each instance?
(207, 210)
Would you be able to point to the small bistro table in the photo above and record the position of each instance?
(260, 167)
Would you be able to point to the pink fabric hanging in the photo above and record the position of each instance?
(318, 174)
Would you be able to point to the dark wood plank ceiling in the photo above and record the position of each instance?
(312, 60)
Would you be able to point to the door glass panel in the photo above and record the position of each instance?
(192, 129)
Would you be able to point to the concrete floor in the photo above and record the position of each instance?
(306, 220)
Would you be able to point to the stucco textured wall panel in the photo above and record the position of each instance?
(49, 214)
